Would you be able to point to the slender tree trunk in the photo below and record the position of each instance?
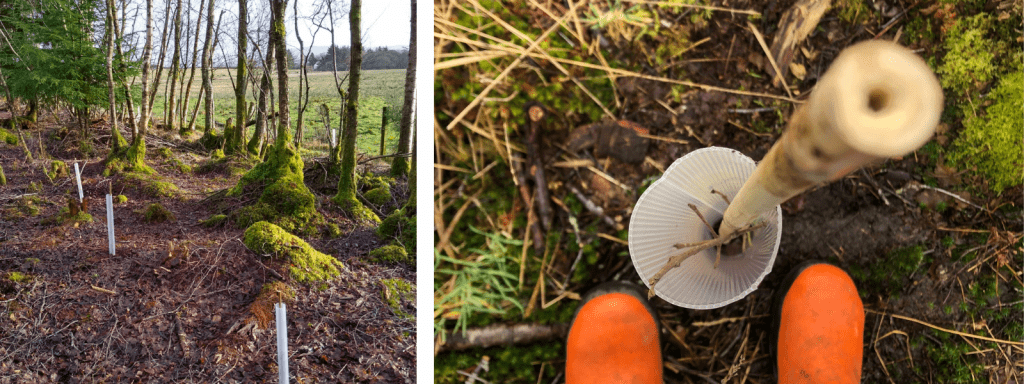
(185, 129)
(116, 140)
(262, 109)
(233, 140)
(208, 70)
(155, 84)
(346, 196)
(147, 56)
(282, 69)
(401, 165)
(302, 70)
(170, 115)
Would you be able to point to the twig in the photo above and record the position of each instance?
(107, 291)
(676, 260)
(938, 328)
(182, 338)
(503, 335)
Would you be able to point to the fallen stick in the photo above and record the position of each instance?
(107, 291)
(503, 335)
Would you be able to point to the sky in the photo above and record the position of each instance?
(385, 23)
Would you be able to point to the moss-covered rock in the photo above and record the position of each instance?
(156, 213)
(306, 263)
(991, 143)
(379, 195)
(398, 294)
(121, 199)
(392, 254)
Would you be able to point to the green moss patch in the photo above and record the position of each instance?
(64, 216)
(970, 56)
(56, 169)
(379, 195)
(128, 159)
(392, 254)
(214, 221)
(398, 293)
(150, 184)
(991, 143)
(400, 227)
(285, 200)
(18, 277)
(121, 199)
(8, 137)
(156, 213)
(306, 263)
(26, 206)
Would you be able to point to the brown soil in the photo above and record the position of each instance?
(183, 315)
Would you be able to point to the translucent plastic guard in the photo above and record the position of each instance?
(662, 218)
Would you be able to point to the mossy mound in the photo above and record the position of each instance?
(64, 216)
(156, 213)
(306, 263)
(8, 137)
(398, 294)
(26, 206)
(212, 141)
(400, 226)
(370, 181)
(991, 143)
(285, 200)
(128, 159)
(970, 55)
(358, 211)
(392, 254)
(18, 277)
(150, 184)
(56, 169)
(120, 199)
(379, 195)
(234, 165)
(263, 307)
(214, 221)
(172, 160)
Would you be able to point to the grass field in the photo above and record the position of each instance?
(377, 89)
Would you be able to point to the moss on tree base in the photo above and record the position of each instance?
(306, 263)
(128, 158)
(285, 200)
(356, 208)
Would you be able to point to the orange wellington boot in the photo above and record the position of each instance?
(614, 338)
(818, 327)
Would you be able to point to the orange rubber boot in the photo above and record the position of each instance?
(818, 327)
(614, 338)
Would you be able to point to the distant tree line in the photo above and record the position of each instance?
(374, 58)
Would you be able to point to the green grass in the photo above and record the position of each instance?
(376, 89)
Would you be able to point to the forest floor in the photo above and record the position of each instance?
(180, 301)
(933, 249)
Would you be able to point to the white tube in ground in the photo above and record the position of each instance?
(282, 343)
(110, 223)
(78, 178)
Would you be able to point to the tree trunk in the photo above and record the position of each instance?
(116, 140)
(262, 109)
(346, 196)
(186, 129)
(147, 56)
(400, 166)
(282, 68)
(208, 71)
(163, 51)
(302, 91)
(233, 140)
(170, 116)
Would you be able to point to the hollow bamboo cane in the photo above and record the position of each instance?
(877, 100)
